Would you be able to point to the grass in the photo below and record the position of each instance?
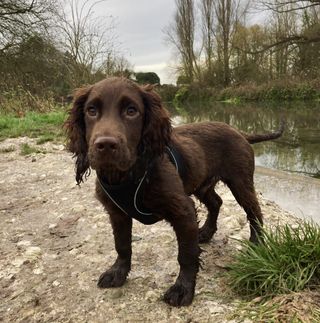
(46, 138)
(288, 260)
(19, 100)
(26, 149)
(302, 307)
(279, 277)
(45, 126)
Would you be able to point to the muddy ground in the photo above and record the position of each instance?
(56, 240)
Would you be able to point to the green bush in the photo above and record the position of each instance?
(167, 92)
(147, 78)
(276, 91)
(305, 91)
(288, 260)
(194, 92)
(181, 95)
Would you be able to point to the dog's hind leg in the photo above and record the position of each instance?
(213, 202)
(244, 193)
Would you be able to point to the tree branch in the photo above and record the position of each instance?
(295, 39)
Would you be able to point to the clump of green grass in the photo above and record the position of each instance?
(45, 138)
(288, 260)
(26, 149)
(34, 125)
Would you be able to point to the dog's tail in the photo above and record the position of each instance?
(254, 138)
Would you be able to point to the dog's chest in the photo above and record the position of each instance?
(128, 196)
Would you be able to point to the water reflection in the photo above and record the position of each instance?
(297, 194)
(298, 150)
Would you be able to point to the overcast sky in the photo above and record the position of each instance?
(139, 26)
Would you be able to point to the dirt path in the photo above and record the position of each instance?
(56, 240)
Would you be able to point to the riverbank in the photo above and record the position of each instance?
(56, 240)
(277, 90)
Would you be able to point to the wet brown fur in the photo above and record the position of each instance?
(212, 151)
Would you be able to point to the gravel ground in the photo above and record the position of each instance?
(56, 240)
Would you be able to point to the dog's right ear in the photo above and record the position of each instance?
(76, 133)
(156, 133)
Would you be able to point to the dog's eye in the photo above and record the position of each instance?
(131, 111)
(92, 111)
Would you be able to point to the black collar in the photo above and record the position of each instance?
(128, 196)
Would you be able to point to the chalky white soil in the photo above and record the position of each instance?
(55, 241)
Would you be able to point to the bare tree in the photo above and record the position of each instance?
(117, 65)
(281, 6)
(282, 26)
(181, 34)
(87, 39)
(228, 14)
(208, 37)
(20, 18)
(296, 38)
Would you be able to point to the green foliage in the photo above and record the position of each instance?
(277, 91)
(181, 95)
(290, 91)
(45, 138)
(305, 91)
(32, 124)
(147, 78)
(193, 92)
(288, 260)
(167, 92)
(183, 80)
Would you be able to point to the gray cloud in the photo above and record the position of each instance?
(139, 26)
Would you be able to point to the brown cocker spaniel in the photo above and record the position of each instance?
(147, 170)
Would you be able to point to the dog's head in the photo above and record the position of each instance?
(112, 123)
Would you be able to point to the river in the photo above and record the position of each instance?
(288, 169)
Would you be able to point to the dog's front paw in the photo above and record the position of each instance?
(205, 234)
(112, 278)
(179, 295)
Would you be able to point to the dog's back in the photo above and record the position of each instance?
(213, 150)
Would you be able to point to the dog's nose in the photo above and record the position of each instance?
(110, 144)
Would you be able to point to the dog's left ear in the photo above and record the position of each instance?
(157, 127)
(75, 128)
